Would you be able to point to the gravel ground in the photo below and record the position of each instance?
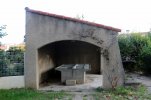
(85, 91)
(92, 82)
(137, 78)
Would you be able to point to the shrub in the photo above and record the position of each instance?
(135, 51)
(12, 62)
(146, 59)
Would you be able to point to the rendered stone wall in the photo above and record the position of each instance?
(10, 82)
(42, 30)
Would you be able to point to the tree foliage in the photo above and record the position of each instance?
(2, 31)
(12, 61)
(135, 51)
(146, 58)
(15, 55)
(3, 61)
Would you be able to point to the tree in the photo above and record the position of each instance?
(145, 57)
(15, 54)
(15, 58)
(136, 52)
(2, 31)
(3, 61)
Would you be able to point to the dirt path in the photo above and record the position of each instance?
(145, 80)
(131, 77)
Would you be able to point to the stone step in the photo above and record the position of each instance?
(70, 82)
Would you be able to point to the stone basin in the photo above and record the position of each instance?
(73, 72)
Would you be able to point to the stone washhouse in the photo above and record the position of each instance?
(53, 40)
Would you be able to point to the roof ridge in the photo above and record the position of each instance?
(73, 19)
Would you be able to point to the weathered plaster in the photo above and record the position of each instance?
(42, 30)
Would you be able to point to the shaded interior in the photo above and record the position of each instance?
(66, 52)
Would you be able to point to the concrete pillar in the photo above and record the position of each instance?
(101, 63)
(104, 65)
(113, 72)
(31, 69)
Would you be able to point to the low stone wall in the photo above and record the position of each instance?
(12, 82)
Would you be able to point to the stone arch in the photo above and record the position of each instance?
(61, 52)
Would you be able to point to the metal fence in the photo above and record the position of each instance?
(15, 69)
(11, 63)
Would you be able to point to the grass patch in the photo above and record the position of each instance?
(30, 94)
(123, 93)
(120, 93)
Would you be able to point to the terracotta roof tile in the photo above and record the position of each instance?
(72, 19)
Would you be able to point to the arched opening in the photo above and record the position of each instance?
(57, 53)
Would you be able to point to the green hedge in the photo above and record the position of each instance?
(136, 52)
(12, 62)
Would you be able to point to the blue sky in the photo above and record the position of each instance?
(133, 15)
